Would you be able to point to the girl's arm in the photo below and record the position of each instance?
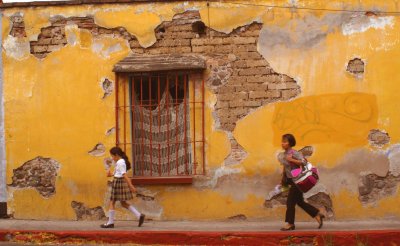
(109, 174)
(128, 180)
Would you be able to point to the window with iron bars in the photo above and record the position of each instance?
(160, 123)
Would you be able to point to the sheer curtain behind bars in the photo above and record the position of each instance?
(160, 145)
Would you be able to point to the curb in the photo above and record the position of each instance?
(375, 237)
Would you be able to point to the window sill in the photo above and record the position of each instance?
(162, 180)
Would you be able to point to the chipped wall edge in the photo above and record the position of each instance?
(3, 189)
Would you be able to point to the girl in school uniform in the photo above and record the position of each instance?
(122, 187)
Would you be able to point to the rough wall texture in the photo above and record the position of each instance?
(251, 99)
(107, 86)
(372, 188)
(356, 66)
(39, 173)
(378, 138)
(320, 200)
(18, 26)
(98, 150)
(85, 213)
(240, 76)
(53, 37)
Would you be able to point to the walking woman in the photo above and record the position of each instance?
(122, 187)
(291, 159)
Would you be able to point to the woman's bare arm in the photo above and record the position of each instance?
(292, 160)
(296, 158)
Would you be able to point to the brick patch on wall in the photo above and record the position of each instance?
(39, 173)
(17, 26)
(356, 66)
(237, 73)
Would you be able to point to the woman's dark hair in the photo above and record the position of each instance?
(290, 138)
(118, 151)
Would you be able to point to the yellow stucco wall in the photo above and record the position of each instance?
(53, 106)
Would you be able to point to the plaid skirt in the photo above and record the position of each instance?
(120, 190)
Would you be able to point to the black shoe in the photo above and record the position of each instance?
(291, 228)
(141, 219)
(321, 223)
(107, 225)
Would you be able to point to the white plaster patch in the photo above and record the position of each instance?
(146, 192)
(384, 121)
(98, 150)
(394, 160)
(110, 131)
(211, 182)
(70, 32)
(180, 8)
(385, 46)
(293, 3)
(112, 49)
(17, 48)
(144, 8)
(97, 47)
(72, 187)
(222, 171)
(362, 24)
(150, 207)
(319, 187)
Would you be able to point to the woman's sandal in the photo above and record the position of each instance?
(290, 228)
(107, 225)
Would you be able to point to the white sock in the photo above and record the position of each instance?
(111, 214)
(134, 211)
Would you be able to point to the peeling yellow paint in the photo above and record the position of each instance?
(218, 149)
(53, 106)
(226, 17)
(85, 39)
(36, 112)
(141, 25)
(347, 207)
(207, 204)
(36, 21)
(6, 26)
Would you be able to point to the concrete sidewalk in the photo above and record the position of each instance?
(12, 224)
(198, 233)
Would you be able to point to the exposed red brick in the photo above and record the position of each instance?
(241, 78)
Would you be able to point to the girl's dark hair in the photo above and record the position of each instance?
(118, 151)
(290, 138)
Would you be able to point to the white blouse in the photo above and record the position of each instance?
(120, 168)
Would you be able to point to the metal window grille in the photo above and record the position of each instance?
(160, 121)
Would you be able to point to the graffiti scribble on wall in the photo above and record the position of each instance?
(320, 119)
